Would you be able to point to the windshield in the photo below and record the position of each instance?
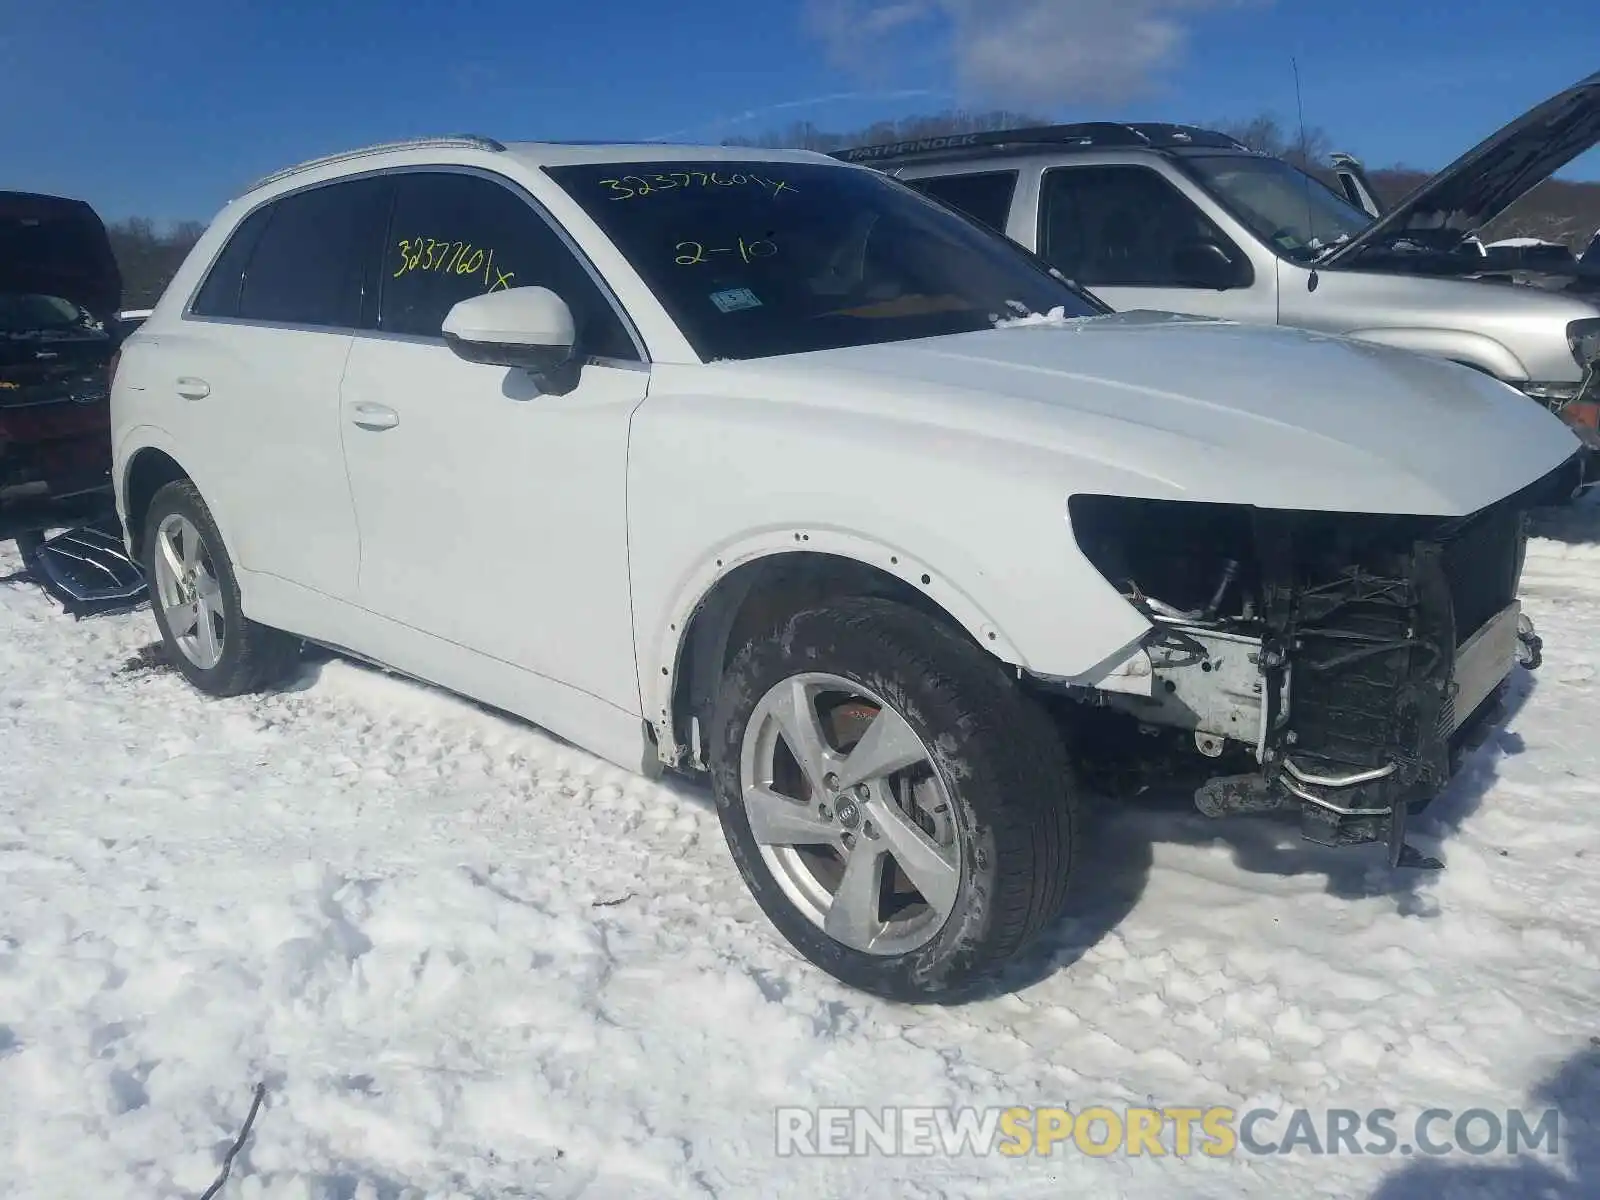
(761, 258)
(1294, 213)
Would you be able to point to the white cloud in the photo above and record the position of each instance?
(1019, 51)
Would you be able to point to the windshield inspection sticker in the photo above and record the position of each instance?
(735, 299)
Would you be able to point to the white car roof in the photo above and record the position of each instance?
(560, 154)
(458, 148)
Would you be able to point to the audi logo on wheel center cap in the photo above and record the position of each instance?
(849, 813)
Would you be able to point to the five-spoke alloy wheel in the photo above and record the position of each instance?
(188, 592)
(850, 814)
(900, 809)
(195, 596)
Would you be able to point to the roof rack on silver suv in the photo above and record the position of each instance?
(469, 141)
(1091, 134)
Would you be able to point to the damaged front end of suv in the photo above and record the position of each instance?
(1340, 660)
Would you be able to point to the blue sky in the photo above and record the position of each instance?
(163, 109)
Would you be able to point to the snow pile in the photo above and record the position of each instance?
(1524, 243)
(1056, 316)
(469, 961)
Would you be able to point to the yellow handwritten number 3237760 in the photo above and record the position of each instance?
(452, 258)
(630, 186)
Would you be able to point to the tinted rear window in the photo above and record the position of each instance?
(313, 259)
(219, 294)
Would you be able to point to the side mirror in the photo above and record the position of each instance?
(1205, 264)
(529, 328)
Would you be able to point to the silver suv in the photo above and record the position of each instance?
(1175, 218)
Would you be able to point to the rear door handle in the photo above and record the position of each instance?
(191, 388)
(374, 416)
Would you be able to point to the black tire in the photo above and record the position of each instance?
(254, 656)
(1012, 789)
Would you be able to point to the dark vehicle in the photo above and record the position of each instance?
(60, 293)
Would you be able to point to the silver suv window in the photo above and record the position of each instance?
(983, 196)
(1127, 226)
(1295, 214)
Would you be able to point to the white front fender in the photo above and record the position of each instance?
(978, 526)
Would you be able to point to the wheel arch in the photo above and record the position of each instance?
(760, 592)
(148, 471)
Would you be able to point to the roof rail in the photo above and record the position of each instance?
(1086, 134)
(468, 141)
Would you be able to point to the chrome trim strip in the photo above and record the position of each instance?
(1312, 798)
(1340, 781)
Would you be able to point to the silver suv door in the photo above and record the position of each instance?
(1136, 239)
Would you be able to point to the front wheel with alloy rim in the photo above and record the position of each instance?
(902, 812)
(195, 596)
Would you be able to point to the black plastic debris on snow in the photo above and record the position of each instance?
(86, 570)
(147, 658)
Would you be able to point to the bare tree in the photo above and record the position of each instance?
(1309, 148)
(148, 257)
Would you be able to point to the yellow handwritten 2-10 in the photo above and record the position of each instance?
(452, 258)
(690, 253)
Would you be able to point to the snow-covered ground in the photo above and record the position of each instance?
(467, 960)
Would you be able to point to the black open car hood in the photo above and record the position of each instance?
(1492, 176)
(53, 246)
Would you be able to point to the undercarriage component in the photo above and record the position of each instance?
(1239, 795)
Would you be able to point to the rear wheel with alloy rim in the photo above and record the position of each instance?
(195, 596)
(901, 811)
(188, 592)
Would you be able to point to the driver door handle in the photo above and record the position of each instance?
(373, 416)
